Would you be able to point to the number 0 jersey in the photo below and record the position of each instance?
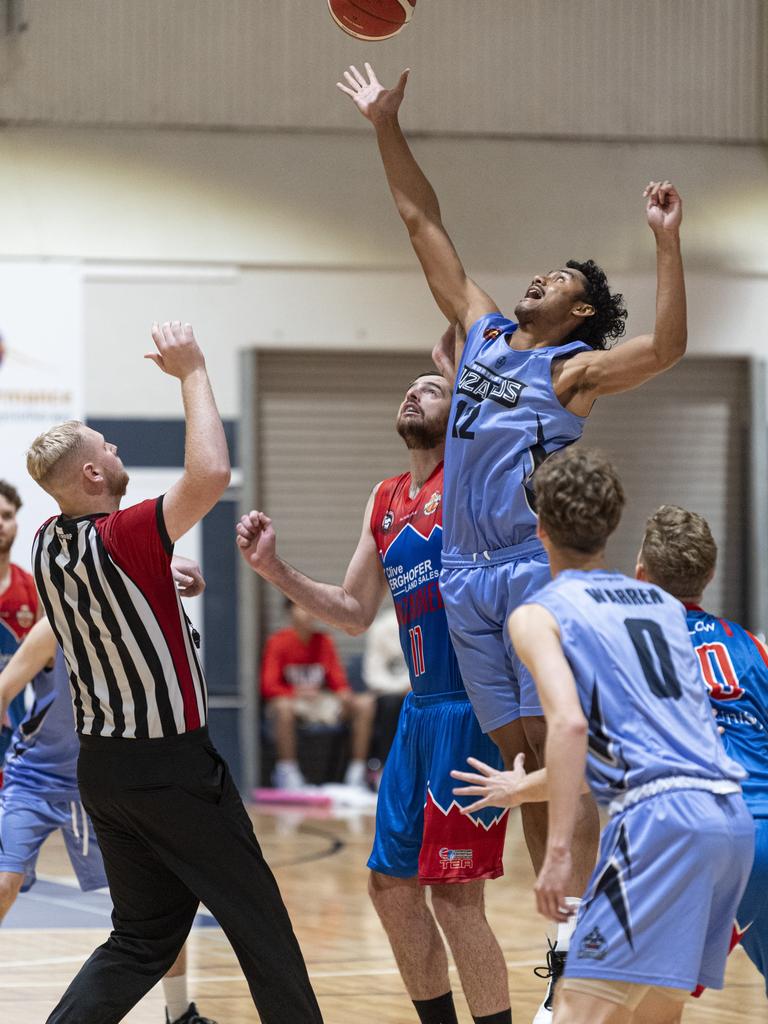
(409, 535)
(505, 420)
(735, 670)
(638, 682)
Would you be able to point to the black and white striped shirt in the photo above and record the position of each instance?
(106, 586)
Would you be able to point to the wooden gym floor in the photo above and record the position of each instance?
(320, 865)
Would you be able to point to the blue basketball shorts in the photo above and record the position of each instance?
(752, 915)
(420, 830)
(478, 602)
(660, 905)
(26, 821)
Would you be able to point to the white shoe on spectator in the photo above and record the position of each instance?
(288, 776)
(356, 775)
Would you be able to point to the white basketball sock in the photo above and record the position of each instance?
(565, 928)
(176, 999)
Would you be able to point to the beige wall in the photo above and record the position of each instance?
(286, 239)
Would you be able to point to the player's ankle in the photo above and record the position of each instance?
(437, 1011)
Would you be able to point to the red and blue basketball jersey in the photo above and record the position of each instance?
(735, 669)
(409, 536)
(18, 612)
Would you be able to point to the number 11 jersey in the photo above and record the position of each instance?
(409, 536)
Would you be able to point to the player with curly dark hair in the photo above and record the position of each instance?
(523, 391)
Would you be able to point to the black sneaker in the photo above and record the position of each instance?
(190, 1016)
(553, 971)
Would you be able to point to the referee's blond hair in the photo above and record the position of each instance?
(50, 451)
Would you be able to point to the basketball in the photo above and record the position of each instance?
(372, 20)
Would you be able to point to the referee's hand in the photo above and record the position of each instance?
(178, 353)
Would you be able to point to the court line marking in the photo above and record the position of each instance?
(202, 979)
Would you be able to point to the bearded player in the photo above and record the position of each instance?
(421, 837)
(523, 391)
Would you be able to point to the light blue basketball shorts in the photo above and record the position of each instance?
(26, 821)
(660, 905)
(478, 601)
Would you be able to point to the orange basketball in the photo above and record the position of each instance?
(371, 20)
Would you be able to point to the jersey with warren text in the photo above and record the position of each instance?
(505, 420)
(638, 682)
(42, 757)
(735, 670)
(409, 535)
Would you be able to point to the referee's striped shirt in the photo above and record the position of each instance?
(106, 586)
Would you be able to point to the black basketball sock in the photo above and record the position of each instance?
(502, 1017)
(437, 1011)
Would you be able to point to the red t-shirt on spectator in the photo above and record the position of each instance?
(289, 665)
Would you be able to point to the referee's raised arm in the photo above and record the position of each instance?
(206, 457)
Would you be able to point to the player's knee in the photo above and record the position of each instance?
(282, 708)
(364, 705)
(10, 884)
(395, 899)
(458, 907)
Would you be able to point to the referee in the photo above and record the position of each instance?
(169, 820)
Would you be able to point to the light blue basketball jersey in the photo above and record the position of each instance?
(505, 420)
(735, 671)
(42, 757)
(638, 681)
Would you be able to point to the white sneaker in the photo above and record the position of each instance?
(553, 971)
(287, 776)
(355, 775)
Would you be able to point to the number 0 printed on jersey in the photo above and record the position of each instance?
(417, 651)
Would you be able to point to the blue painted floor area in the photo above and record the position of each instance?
(50, 905)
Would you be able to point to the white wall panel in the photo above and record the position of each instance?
(606, 68)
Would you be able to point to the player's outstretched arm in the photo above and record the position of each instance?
(351, 607)
(495, 788)
(456, 294)
(206, 457)
(591, 374)
(536, 639)
(37, 650)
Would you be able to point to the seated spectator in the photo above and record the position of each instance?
(386, 675)
(302, 680)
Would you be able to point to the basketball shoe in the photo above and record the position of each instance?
(191, 1016)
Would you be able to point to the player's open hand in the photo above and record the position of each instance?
(369, 95)
(493, 787)
(178, 353)
(663, 207)
(551, 886)
(257, 540)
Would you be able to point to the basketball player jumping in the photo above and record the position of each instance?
(623, 700)
(421, 837)
(679, 554)
(523, 391)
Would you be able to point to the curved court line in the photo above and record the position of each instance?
(335, 845)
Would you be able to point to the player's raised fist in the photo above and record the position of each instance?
(178, 353)
(369, 95)
(256, 540)
(663, 207)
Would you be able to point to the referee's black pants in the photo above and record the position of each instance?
(173, 832)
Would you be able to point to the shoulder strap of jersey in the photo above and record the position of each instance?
(382, 504)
